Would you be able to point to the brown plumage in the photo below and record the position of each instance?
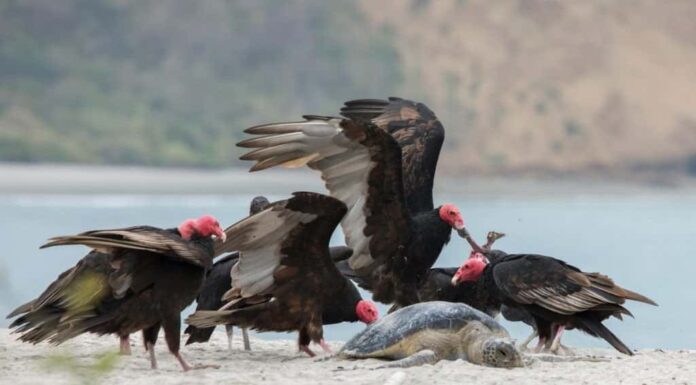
(554, 293)
(285, 279)
(419, 134)
(380, 161)
(137, 278)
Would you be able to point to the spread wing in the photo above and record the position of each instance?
(360, 165)
(145, 238)
(419, 134)
(557, 286)
(286, 242)
(284, 263)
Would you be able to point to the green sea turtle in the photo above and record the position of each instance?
(431, 331)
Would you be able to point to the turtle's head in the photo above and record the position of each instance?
(258, 204)
(501, 353)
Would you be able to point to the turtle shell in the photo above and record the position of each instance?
(406, 321)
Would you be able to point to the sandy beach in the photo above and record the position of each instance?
(277, 362)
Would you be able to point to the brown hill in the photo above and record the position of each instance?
(539, 85)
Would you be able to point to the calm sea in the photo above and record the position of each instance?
(645, 242)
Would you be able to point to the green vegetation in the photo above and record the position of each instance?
(174, 83)
(90, 374)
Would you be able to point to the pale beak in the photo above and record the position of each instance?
(222, 236)
(459, 225)
(455, 280)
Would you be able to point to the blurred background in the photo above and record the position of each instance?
(570, 125)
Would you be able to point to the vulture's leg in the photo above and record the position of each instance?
(245, 337)
(556, 344)
(540, 344)
(529, 339)
(230, 333)
(303, 342)
(420, 358)
(124, 348)
(172, 334)
(325, 346)
(149, 339)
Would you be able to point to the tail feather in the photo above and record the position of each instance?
(597, 329)
(21, 309)
(198, 335)
(639, 297)
(209, 318)
(349, 273)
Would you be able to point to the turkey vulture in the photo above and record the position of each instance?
(380, 161)
(136, 278)
(555, 294)
(285, 279)
(217, 282)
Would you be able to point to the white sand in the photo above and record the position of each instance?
(277, 362)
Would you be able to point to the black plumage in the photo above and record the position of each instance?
(556, 294)
(136, 279)
(438, 284)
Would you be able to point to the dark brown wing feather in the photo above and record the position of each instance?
(303, 277)
(420, 136)
(145, 238)
(557, 286)
(360, 165)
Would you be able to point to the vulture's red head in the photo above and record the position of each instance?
(471, 270)
(366, 311)
(204, 226)
(451, 215)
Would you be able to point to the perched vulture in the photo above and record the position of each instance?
(136, 278)
(217, 282)
(285, 279)
(380, 161)
(555, 294)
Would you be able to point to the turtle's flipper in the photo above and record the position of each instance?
(420, 358)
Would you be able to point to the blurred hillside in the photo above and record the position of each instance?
(522, 86)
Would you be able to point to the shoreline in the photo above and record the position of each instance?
(278, 362)
(53, 179)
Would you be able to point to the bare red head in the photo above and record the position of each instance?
(451, 215)
(204, 226)
(366, 311)
(471, 270)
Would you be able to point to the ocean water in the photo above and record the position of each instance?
(645, 242)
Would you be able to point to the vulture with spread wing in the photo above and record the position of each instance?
(217, 282)
(380, 161)
(136, 278)
(555, 294)
(285, 279)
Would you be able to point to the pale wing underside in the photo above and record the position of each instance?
(258, 239)
(345, 166)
